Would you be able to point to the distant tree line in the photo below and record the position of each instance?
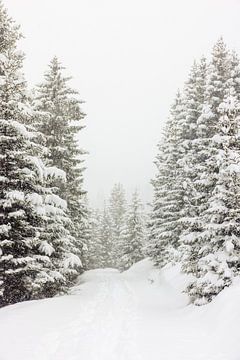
(117, 233)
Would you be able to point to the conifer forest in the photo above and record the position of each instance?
(130, 276)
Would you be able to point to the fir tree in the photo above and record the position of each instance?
(117, 212)
(60, 126)
(105, 234)
(23, 257)
(218, 262)
(94, 252)
(56, 245)
(205, 239)
(164, 225)
(196, 190)
(131, 247)
(98, 249)
(193, 164)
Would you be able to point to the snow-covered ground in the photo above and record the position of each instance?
(140, 314)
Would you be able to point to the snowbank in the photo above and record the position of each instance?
(175, 329)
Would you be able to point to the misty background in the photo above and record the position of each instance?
(127, 59)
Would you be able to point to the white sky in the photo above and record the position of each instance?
(127, 57)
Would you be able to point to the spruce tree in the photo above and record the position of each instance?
(93, 252)
(193, 164)
(61, 125)
(98, 249)
(219, 256)
(216, 138)
(134, 233)
(57, 246)
(196, 190)
(23, 257)
(117, 212)
(164, 225)
(106, 240)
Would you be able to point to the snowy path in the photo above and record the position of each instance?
(137, 315)
(98, 321)
(107, 328)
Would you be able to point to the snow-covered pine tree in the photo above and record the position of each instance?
(93, 256)
(60, 127)
(134, 234)
(193, 164)
(219, 255)
(56, 244)
(23, 256)
(86, 232)
(105, 234)
(219, 153)
(164, 225)
(117, 212)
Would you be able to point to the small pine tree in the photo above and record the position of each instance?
(117, 212)
(94, 251)
(105, 233)
(131, 247)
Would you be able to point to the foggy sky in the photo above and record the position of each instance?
(128, 58)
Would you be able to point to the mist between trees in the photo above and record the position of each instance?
(117, 234)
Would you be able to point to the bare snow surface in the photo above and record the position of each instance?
(140, 314)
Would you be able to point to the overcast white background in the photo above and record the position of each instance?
(128, 58)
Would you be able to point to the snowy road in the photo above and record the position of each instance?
(137, 315)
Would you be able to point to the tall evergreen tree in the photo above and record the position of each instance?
(198, 238)
(204, 155)
(164, 225)
(23, 255)
(60, 126)
(193, 163)
(218, 258)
